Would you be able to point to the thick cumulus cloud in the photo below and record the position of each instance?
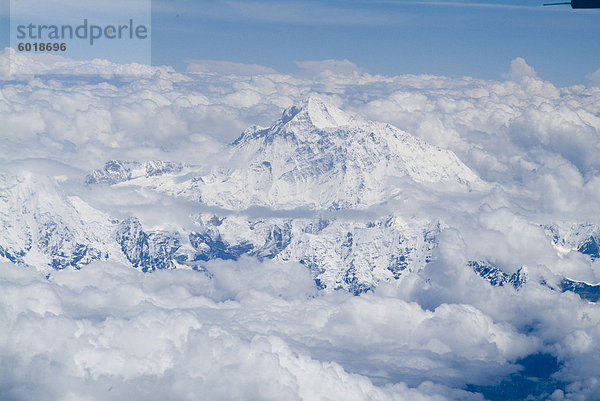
(520, 70)
(109, 331)
(516, 131)
(249, 330)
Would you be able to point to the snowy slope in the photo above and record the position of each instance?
(317, 156)
(50, 229)
(44, 227)
(580, 237)
(353, 255)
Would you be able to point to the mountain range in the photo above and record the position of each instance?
(318, 187)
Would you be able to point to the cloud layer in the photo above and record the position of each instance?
(250, 330)
(520, 131)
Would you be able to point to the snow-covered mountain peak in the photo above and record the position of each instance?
(306, 122)
(347, 163)
(317, 156)
(313, 111)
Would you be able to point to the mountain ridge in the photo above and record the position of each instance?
(316, 158)
(316, 148)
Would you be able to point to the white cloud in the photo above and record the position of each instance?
(329, 67)
(520, 70)
(594, 77)
(261, 330)
(177, 334)
(23, 66)
(227, 68)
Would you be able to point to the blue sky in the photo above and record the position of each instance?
(454, 38)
